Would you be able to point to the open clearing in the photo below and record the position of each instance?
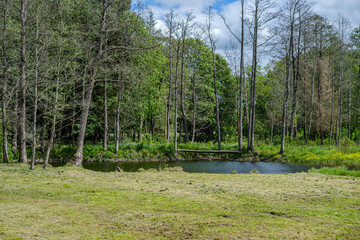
(75, 203)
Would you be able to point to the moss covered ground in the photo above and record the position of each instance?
(75, 203)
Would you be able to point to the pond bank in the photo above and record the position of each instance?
(143, 152)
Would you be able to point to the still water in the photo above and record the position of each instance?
(224, 167)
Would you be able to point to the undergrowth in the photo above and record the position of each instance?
(346, 154)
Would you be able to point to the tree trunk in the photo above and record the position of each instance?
(338, 125)
(36, 94)
(170, 76)
(4, 88)
(73, 118)
(332, 101)
(140, 129)
(253, 81)
(272, 129)
(349, 108)
(53, 123)
(312, 98)
(296, 77)
(216, 98)
(194, 93)
(22, 88)
(78, 157)
(105, 141)
(184, 123)
(175, 104)
(240, 88)
(117, 118)
(288, 62)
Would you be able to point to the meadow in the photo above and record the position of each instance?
(75, 203)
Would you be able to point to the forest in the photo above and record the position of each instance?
(82, 73)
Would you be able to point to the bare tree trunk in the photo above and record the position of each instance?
(209, 19)
(320, 110)
(304, 86)
(242, 77)
(349, 110)
(170, 22)
(36, 94)
(73, 118)
(338, 135)
(344, 25)
(4, 88)
(184, 123)
(247, 109)
(253, 80)
(288, 62)
(34, 122)
(184, 30)
(338, 127)
(22, 87)
(312, 98)
(272, 129)
(332, 101)
(53, 123)
(239, 89)
(140, 129)
(181, 130)
(117, 118)
(216, 98)
(175, 104)
(43, 133)
(105, 141)
(194, 93)
(296, 77)
(78, 157)
(358, 106)
(14, 140)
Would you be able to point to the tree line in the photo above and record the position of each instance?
(100, 71)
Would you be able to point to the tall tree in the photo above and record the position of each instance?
(4, 99)
(22, 86)
(261, 14)
(78, 157)
(211, 38)
(186, 26)
(171, 25)
(239, 90)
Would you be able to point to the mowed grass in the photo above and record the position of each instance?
(75, 203)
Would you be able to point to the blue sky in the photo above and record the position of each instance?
(327, 8)
(230, 8)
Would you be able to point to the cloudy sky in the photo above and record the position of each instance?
(230, 8)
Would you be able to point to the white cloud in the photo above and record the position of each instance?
(184, 4)
(231, 10)
(331, 8)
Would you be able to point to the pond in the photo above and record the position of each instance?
(222, 167)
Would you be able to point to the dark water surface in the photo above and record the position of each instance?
(224, 167)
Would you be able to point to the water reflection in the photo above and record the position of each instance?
(224, 167)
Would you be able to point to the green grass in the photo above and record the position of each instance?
(342, 171)
(75, 203)
(315, 154)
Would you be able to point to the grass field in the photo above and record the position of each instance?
(74, 203)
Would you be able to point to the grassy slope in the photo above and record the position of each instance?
(74, 203)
